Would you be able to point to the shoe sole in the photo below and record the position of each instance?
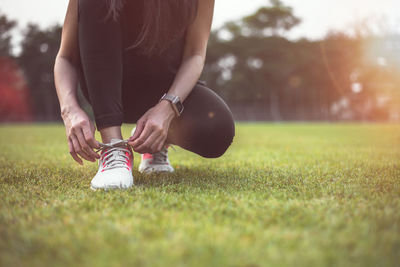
(110, 188)
(156, 171)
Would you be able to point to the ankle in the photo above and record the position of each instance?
(109, 133)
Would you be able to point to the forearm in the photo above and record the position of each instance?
(65, 77)
(187, 76)
(154, 124)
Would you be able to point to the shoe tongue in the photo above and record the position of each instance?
(115, 141)
(117, 153)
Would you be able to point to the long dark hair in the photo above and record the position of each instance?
(164, 21)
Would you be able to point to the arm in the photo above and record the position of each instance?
(194, 53)
(152, 129)
(79, 128)
(65, 75)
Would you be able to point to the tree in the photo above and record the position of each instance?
(275, 19)
(254, 64)
(14, 100)
(259, 72)
(6, 26)
(39, 49)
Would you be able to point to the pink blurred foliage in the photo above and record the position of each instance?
(14, 93)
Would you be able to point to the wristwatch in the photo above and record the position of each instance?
(176, 103)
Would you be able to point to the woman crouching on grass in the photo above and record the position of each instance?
(138, 62)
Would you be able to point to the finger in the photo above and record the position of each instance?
(139, 128)
(88, 132)
(161, 145)
(154, 147)
(93, 131)
(89, 138)
(78, 148)
(84, 146)
(73, 153)
(143, 136)
(92, 127)
(157, 145)
(148, 143)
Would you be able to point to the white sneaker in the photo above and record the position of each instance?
(115, 167)
(157, 162)
(154, 163)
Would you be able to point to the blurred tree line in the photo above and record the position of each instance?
(36, 60)
(259, 72)
(265, 76)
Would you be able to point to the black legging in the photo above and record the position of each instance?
(122, 84)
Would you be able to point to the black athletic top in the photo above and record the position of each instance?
(121, 85)
(165, 64)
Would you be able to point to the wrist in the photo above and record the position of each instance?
(167, 106)
(175, 102)
(67, 110)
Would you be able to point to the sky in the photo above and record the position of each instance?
(318, 16)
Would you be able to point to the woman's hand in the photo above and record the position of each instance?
(152, 129)
(80, 134)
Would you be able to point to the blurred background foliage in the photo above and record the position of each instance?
(251, 63)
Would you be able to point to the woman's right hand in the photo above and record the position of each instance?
(80, 134)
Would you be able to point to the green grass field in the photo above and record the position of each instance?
(283, 195)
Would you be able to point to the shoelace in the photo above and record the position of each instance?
(111, 145)
(114, 155)
(113, 162)
(161, 157)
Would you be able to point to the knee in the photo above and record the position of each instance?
(220, 149)
(219, 140)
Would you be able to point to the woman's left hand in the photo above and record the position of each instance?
(152, 129)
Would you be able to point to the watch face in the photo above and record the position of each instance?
(179, 106)
(175, 101)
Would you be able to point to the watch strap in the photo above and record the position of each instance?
(175, 102)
